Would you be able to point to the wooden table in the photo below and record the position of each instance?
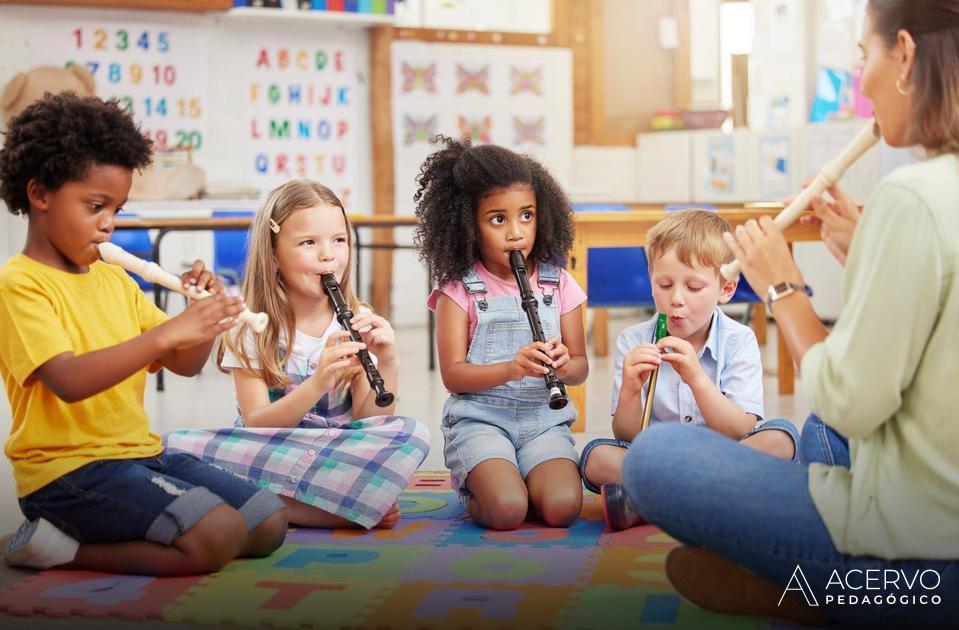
(628, 229)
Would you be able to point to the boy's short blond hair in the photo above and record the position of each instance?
(697, 236)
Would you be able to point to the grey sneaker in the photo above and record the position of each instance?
(619, 511)
(39, 545)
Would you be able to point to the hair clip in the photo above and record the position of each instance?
(274, 226)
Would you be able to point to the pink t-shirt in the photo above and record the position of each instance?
(569, 294)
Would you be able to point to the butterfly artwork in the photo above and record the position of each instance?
(472, 80)
(419, 78)
(529, 131)
(526, 81)
(416, 130)
(478, 129)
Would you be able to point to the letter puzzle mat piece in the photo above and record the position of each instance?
(93, 595)
(427, 605)
(282, 599)
(435, 569)
(607, 606)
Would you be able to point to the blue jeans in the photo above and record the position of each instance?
(706, 490)
(821, 444)
(153, 498)
(776, 424)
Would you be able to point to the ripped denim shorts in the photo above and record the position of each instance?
(155, 498)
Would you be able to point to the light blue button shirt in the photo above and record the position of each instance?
(730, 358)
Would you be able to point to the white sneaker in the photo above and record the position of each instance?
(39, 545)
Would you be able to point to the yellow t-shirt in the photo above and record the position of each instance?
(45, 312)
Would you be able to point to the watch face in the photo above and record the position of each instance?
(779, 290)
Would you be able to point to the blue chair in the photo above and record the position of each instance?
(230, 248)
(138, 243)
(607, 284)
(615, 277)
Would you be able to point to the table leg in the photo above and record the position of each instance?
(758, 322)
(600, 334)
(784, 367)
(157, 297)
(357, 245)
(784, 361)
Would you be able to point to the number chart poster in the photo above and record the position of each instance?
(156, 70)
(516, 97)
(302, 98)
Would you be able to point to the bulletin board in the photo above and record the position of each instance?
(148, 65)
(259, 102)
(301, 95)
(482, 92)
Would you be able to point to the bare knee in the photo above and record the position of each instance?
(605, 465)
(267, 537)
(504, 511)
(213, 541)
(562, 505)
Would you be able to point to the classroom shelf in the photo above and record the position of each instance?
(339, 18)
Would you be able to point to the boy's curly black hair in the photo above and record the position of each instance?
(57, 139)
(451, 183)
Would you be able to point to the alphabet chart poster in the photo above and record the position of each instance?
(156, 68)
(516, 97)
(302, 94)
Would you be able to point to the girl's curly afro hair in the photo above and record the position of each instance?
(451, 183)
(57, 139)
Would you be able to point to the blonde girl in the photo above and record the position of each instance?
(308, 426)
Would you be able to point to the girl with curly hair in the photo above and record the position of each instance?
(506, 449)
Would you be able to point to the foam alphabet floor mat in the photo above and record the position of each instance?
(436, 569)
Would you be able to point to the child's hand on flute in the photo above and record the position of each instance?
(203, 320)
(200, 279)
(638, 365)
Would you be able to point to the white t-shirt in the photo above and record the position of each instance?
(300, 365)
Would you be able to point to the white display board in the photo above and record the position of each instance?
(514, 96)
(301, 94)
(259, 101)
(146, 62)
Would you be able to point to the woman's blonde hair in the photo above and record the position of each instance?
(263, 287)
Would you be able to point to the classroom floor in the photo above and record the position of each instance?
(207, 401)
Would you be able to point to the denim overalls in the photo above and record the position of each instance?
(511, 421)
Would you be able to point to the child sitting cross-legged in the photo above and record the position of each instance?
(710, 373)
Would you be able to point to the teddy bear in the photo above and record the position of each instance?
(26, 87)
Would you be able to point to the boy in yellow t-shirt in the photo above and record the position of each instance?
(95, 484)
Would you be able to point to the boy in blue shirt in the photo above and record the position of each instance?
(710, 368)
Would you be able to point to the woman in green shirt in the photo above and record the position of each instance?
(867, 530)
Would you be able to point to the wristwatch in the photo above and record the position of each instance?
(782, 289)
